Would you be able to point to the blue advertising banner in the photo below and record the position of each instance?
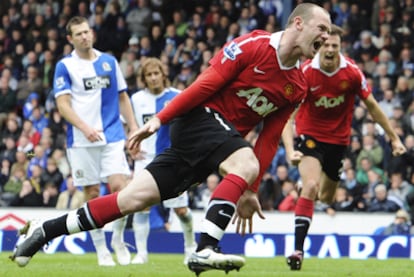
(255, 245)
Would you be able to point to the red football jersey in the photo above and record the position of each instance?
(247, 84)
(326, 113)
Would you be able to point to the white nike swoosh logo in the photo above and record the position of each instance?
(221, 212)
(314, 88)
(257, 70)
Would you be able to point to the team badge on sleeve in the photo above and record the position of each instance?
(60, 82)
(231, 51)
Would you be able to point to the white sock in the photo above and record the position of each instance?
(186, 222)
(118, 229)
(141, 226)
(98, 239)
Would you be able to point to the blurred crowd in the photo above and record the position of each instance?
(379, 36)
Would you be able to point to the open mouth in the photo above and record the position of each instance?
(317, 45)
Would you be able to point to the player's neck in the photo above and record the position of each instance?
(86, 55)
(288, 54)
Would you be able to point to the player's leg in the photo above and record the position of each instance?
(140, 193)
(327, 189)
(310, 172)
(86, 174)
(114, 170)
(98, 235)
(141, 227)
(141, 221)
(239, 169)
(183, 212)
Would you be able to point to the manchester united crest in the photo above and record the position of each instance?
(288, 89)
(310, 143)
(343, 85)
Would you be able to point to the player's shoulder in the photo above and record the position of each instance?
(105, 56)
(352, 67)
(138, 94)
(172, 90)
(255, 37)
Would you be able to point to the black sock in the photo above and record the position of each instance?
(219, 213)
(73, 222)
(302, 224)
(55, 227)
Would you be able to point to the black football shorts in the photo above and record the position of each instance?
(200, 141)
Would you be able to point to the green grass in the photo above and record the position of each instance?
(165, 265)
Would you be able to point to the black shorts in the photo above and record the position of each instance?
(200, 141)
(329, 155)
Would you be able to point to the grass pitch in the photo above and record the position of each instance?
(167, 265)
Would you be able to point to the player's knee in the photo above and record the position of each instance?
(310, 189)
(181, 212)
(91, 192)
(250, 168)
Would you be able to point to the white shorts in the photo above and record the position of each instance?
(93, 165)
(177, 202)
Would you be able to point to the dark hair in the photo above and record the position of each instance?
(336, 30)
(76, 20)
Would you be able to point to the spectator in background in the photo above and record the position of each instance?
(403, 92)
(39, 158)
(388, 102)
(203, 192)
(398, 189)
(29, 131)
(50, 194)
(28, 196)
(5, 170)
(57, 126)
(343, 202)
(21, 161)
(400, 226)
(9, 150)
(8, 100)
(381, 202)
(71, 198)
(157, 40)
(371, 150)
(288, 203)
(12, 129)
(13, 186)
(30, 103)
(354, 149)
(139, 18)
(51, 175)
(25, 145)
(39, 119)
(30, 83)
(62, 162)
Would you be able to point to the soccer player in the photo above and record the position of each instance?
(323, 127)
(146, 103)
(254, 78)
(90, 93)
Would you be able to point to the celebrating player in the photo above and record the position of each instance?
(323, 126)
